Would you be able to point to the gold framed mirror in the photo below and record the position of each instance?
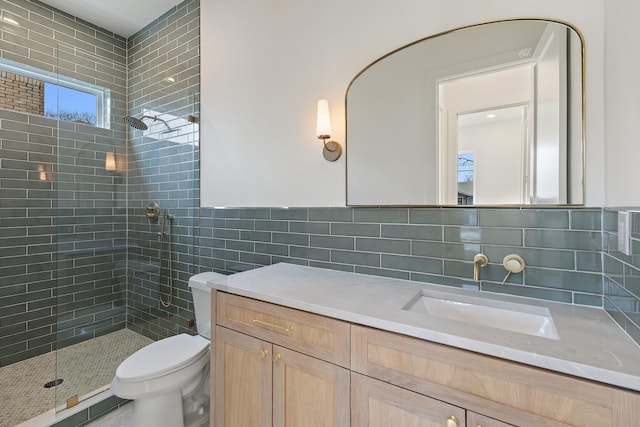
(489, 114)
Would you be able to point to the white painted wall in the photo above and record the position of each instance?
(622, 106)
(266, 63)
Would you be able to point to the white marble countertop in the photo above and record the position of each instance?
(590, 344)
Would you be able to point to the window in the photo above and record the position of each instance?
(28, 89)
(65, 103)
(466, 175)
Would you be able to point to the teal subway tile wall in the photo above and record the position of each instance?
(621, 274)
(62, 215)
(77, 260)
(561, 246)
(163, 81)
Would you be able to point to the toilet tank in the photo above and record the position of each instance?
(201, 294)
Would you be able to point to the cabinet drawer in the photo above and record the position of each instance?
(514, 393)
(378, 404)
(321, 337)
(477, 420)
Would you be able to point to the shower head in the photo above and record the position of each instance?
(135, 123)
(139, 124)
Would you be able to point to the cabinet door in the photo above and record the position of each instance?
(378, 404)
(308, 392)
(477, 420)
(243, 388)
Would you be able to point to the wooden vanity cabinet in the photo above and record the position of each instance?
(261, 382)
(277, 366)
(513, 393)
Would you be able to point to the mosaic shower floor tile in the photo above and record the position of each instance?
(84, 368)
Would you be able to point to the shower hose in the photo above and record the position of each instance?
(169, 266)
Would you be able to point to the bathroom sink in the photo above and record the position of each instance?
(509, 316)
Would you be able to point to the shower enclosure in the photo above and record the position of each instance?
(91, 232)
(80, 268)
(67, 167)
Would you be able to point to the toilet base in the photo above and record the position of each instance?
(164, 410)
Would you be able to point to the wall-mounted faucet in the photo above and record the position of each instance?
(479, 260)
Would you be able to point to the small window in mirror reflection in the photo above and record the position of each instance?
(466, 173)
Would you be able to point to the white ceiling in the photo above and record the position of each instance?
(123, 17)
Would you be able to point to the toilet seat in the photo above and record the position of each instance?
(162, 357)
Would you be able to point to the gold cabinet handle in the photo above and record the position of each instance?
(451, 422)
(271, 326)
(264, 353)
(276, 357)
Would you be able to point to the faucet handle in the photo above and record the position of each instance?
(481, 259)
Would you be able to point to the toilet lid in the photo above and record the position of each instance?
(162, 357)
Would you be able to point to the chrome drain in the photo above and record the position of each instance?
(53, 383)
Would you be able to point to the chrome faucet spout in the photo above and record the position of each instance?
(479, 261)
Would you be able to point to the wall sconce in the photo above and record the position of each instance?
(110, 162)
(42, 173)
(332, 150)
(8, 19)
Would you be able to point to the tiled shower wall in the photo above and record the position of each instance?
(62, 233)
(622, 274)
(164, 80)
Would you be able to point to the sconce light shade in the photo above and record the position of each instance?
(323, 127)
(43, 173)
(332, 150)
(110, 161)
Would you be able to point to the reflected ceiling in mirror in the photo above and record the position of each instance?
(490, 114)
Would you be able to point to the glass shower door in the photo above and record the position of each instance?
(91, 223)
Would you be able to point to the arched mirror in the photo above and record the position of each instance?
(490, 114)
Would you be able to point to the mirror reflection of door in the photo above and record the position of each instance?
(492, 156)
(489, 114)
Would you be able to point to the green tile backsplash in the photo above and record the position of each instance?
(621, 275)
(525, 218)
(562, 247)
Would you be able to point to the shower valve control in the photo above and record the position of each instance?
(153, 211)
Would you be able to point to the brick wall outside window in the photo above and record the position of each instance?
(20, 93)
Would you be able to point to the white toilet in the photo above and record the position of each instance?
(168, 380)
